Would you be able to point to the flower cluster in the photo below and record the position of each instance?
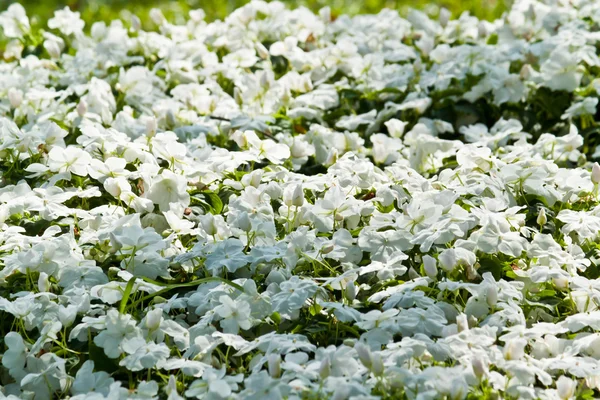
(288, 205)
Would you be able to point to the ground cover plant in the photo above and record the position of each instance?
(289, 205)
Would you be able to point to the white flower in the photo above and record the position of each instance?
(561, 71)
(146, 356)
(15, 356)
(66, 21)
(133, 239)
(396, 127)
(86, 380)
(565, 388)
(229, 254)
(235, 314)
(14, 21)
(70, 159)
(262, 386)
(377, 319)
(276, 153)
(168, 189)
(214, 385)
(113, 167)
(119, 335)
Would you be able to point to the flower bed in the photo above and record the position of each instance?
(286, 205)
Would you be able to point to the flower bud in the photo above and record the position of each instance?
(286, 96)
(197, 15)
(43, 282)
(237, 96)
(350, 291)
(261, 50)
(244, 223)
(541, 218)
(53, 48)
(82, 107)
(153, 319)
(298, 196)
(565, 388)
(478, 367)
(444, 17)
(98, 31)
(596, 173)
(136, 23)
(491, 296)
(325, 368)
(377, 367)
(157, 16)
(328, 248)
(430, 267)
(151, 127)
(364, 354)
(208, 224)
(482, 30)
(171, 119)
(561, 283)
(461, 323)
(274, 365)
(15, 96)
(325, 14)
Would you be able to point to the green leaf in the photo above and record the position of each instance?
(214, 201)
(315, 309)
(547, 293)
(169, 287)
(126, 295)
(491, 265)
(101, 361)
(276, 317)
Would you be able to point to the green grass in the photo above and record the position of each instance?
(176, 10)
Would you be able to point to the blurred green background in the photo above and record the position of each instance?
(176, 10)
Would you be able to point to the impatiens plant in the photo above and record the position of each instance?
(287, 205)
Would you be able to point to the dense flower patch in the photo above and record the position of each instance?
(284, 205)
